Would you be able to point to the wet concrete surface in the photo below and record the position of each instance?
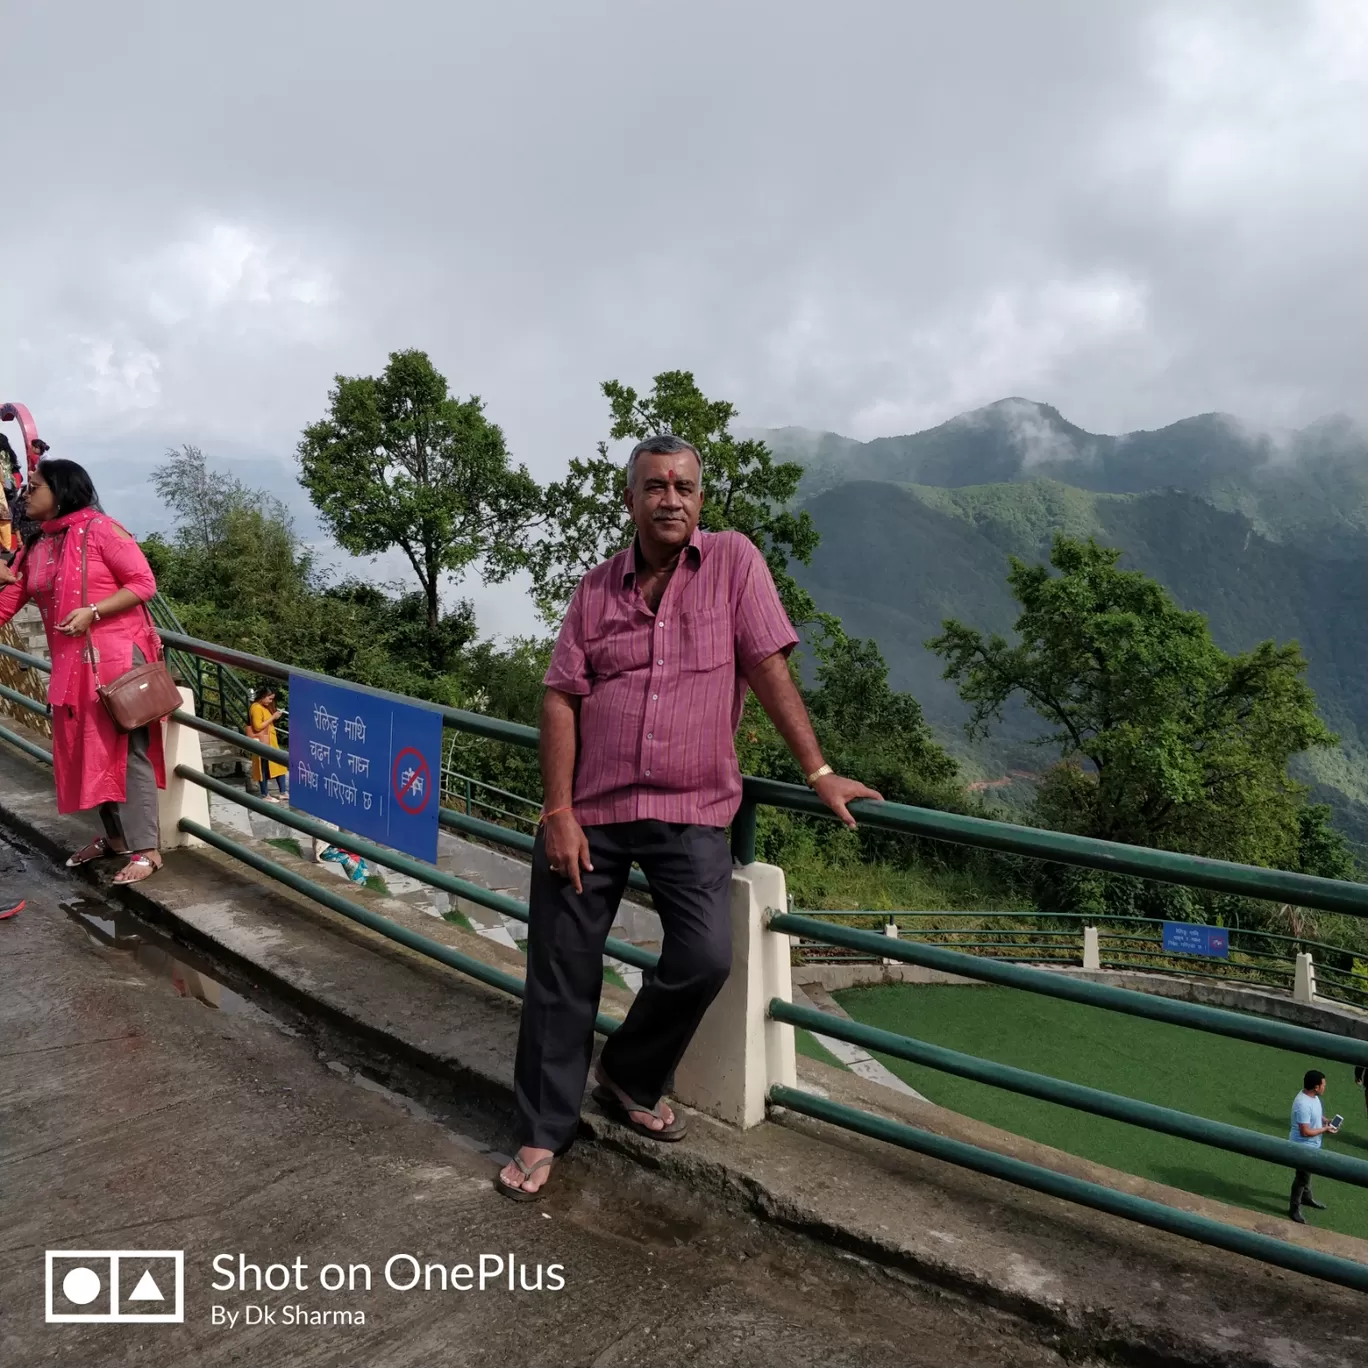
(146, 1106)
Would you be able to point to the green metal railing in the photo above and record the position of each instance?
(1266, 1248)
(428, 874)
(1346, 1272)
(522, 842)
(1144, 1114)
(1219, 876)
(1238, 1025)
(1031, 942)
(221, 694)
(23, 743)
(470, 791)
(1193, 871)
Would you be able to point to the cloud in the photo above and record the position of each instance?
(1014, 337)
(1035, 432)
(864, 219)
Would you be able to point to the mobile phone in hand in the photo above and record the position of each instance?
(1337, 1121)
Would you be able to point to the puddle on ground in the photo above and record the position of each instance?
(118, 930)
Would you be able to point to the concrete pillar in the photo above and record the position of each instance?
(1304, 984)
(180, 798)
(891, 929)
(738, 1054)
(1092, 952)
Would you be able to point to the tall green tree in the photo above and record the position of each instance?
(203, 500)
(234, 568)
(745, 488)
(236, 573)
(398, 462)
(1166, 739)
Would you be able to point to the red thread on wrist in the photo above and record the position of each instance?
(555, 812)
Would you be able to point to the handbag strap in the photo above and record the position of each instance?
(90, 631)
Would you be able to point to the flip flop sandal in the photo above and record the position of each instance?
(15, 910)
(136, 862)
(99, 849)
(518, 1194)
(616, 1110)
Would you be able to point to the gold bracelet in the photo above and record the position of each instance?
(819, 774)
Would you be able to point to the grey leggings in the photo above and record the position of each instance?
(135, 822)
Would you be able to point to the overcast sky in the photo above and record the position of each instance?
(865, 217)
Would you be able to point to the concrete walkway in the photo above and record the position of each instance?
(148, 1107)
(1104, 1286)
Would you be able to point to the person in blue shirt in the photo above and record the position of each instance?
(1308, 1125)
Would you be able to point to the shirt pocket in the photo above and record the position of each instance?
(618, 647)
(707, 634)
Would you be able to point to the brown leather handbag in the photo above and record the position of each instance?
(140, 696)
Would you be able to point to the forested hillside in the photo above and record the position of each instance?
(1268, 539)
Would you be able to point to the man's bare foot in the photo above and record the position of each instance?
(512, 1176)
(662, 1117)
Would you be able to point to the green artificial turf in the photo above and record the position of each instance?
(1245, 1085)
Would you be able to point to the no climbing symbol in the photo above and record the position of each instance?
(367, 763)
(412, 780)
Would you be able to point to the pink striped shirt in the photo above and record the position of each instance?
(662, 694)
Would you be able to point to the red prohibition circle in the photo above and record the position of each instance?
(420, 771)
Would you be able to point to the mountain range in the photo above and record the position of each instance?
(1265, 533)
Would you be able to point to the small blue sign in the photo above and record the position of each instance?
(370, 765)
(1187, 938)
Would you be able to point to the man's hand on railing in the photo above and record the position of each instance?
(836, 791)
(567, 847)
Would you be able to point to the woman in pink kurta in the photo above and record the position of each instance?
(96, 764)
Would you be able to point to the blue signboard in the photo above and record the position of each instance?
(1186, 938)
(368, 764)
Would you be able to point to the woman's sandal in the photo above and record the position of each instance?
(518, 1194)
(145, 868)
(617, 1110)
(99, 849)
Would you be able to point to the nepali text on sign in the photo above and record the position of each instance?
(369, 764)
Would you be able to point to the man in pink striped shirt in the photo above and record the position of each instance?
(638, 760)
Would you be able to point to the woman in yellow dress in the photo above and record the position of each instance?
(261, 722)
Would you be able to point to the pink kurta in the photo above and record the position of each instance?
(89, 753)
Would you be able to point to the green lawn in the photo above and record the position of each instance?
(1227, 1080)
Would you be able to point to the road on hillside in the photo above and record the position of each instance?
(145, 1108)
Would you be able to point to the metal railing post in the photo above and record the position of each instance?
(743, 834)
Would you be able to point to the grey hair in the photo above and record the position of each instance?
(663, 445)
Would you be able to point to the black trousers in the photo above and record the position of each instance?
(1301, 1188)
(689, 870)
